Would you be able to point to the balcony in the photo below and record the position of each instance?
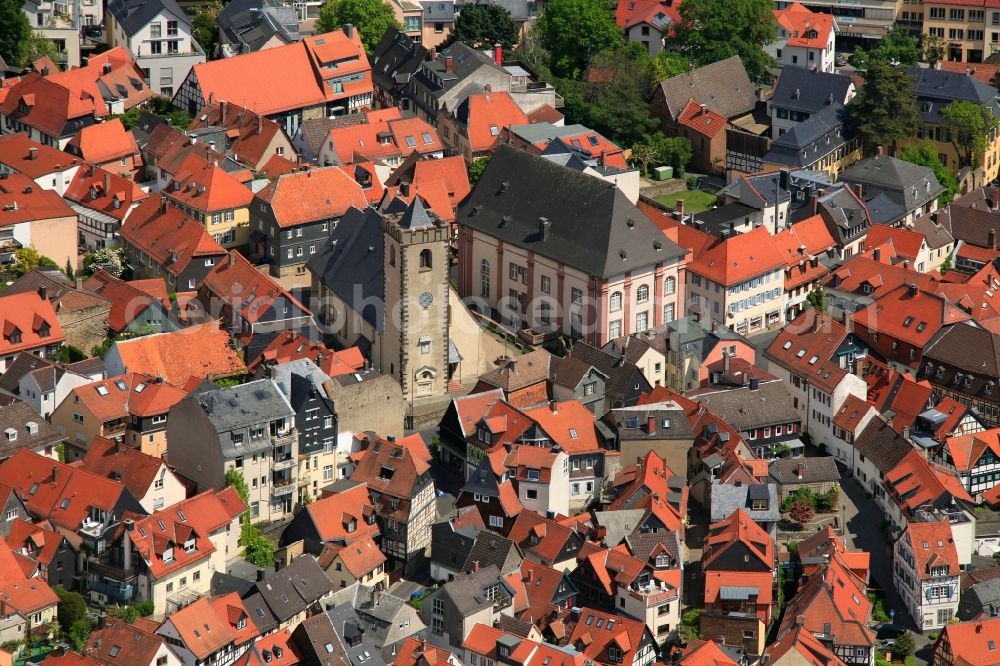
(111, 571)
(283, 489)
(283, 463)
(92, 528)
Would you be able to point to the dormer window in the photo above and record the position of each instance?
(189, 545)
(533, 475)
(758, 504)
(662, 561)
(168, 554)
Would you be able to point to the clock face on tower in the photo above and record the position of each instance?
(425, 299)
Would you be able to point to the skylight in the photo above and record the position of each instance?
(813, 359)
(121, 385)
(802, 352)
(907, 322)
(102, 390)
(787, 345)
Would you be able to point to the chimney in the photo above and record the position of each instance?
(498, 54)
(404, 189)
(703, 109)
(911, 290)
(163, 204)
(222, 109)
(432, 54)
(554, 406)
(715, 326)
(679, 207)
(754, 383)
(475, 566)
(799, 469)
(107, 182)
(449, 63)
(651, 425)
(101, 617)
(260, 575)
(349, 30)
(725, 364)
(876, 253)
(107, 68)
(32, 153)
(43, 292)
(814, 198)
(544, 227)
(488, 88)
(55, 473)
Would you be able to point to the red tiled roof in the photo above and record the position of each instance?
(440, 183)
(290, 346)
(334, 514)
(488, 111)
(206, 187)
(168, 236)
(160, 538)
(972, 643)
(359, 558)
(294, 74)
(103, 142)
(907, 315)
(27, 322)
(906, 243)
(316, 194)
(545, 114)
(552, 536)
(373, 189)
(654, 12)
(703, 121)
(881, 278)
(966, 450)
(249, 134)
(409, 459)
(596, 632)
(279, 166)
(806, 346)
(384, 137)
(58, 492)
(850, 414)
(707, 654)
(200, 628)
(26, 596)
(15, 153)
(805, 28)
(738, 527)
(236, 282)
(683, 234)
(933, 546)
(889, 389)
(569, 424)
(416, 652)
(127, 302)
(36, 541)
(810, 650)
(739, 258)
(104, 191)
(133, 468)
(279, 647)
(230, 608)
(122, 643)
(202, 351)
(914, 483)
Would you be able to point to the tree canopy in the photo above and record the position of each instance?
(206, 29)
(970, 125)
(616, 97)
(898, 48)
(371, 18)
(713, 30)
(483, 26)
(885, 110)
(659, 149)
(574, 31)
(15, 31)
(36, 46)
(926, 155)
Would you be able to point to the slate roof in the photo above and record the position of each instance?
(492, 549)
(336, 637)
(882, 445)
(241, 406)
(936, 89)
(809, 90)
(133, 15)
(255, 22)
(16, 417)
(909, 185)
(395, 59)
(727, 499)
(620, 375)
(352, 259)
(294, 588)
(813, 470)
(593, 226)
(806, 142)
(468, 591)
(723, 86)
(745, 408)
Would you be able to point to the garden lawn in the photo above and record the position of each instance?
(695, 201)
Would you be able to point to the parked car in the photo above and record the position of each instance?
(840, 60)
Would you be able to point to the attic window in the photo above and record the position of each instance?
(386, 473)
(494, 130)
(813, 359)
(11, 434)
(787, 345)
(428, 140)
(907, 322)
(115, 649)
(102, 390)
(121, 385)
(802, 352)
(572, 433)
(921, 326)
(34, 489)
(64, 504)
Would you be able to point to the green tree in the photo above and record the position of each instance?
(926, 155)
(879, 614)
(206, 30)
(15, 32)
(574, 31)
(26, 259)
(71, 609)
(235, 479)
(933, 48)
(37, 46)
(658, 150)
(668, 64)
(476, 170)
(618, 103)
(111, 259)
(130, 117)
(371, 18)
(68, 269)
(817, 299)
(484, 26)
(970, 124)
(946, 265)
(885, 110)
(78, 634)
(690, 626)
(70, 354)
(256, 548)
(898, 48)
(903, 646)
(713, 30)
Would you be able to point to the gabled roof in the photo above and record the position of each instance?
(277, 649)
(121, 643)
(169, 236)
(393, 469)
(593, 227)
(128, 301)
(134, 15)
(317, 194)
(202, 631)
(200, 351)
(35, 541)
(21, 200)
(24, 595)
(933, 545)
(704, 121)
(27, 321)
(972, 643)
(537, 534)
(966, 451)
(101, 190)
(23, 155)
(177, 536)
(806, 29)
(738, 528)
(707, 654)
(738, 258)
(569, 424)
(251, 24)
(881, 444)
(862, 273)
(133, 468)
(335, 515)
(103, 142)
(206, 187)
(806, 347)
(30, 430)
(289, 346)
(806, 648)
(910, 185)
(724, 86)
(296, 74)
(917, 485)
(910, 315)
(384, 135)
(595, 632)
(484, 115)
(809, 90)
(656, 13)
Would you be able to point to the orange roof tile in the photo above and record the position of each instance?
(739, 258)
(707, 654)
(290, 346)
(596, 631)
(127, 302)
(384, 138)
(22, 155)
(703, 121)
(104, 191)
(414, 651)
(489, 113)
(277, 649)
(169, 236)
(103, 142)
(316, 194)
(206, 187)
(906, 243)
(200, 628)
(654, 12)
(27, 322)
(933, 545)
(914, 484)
(569, 424)
(36, 541)
(805, 28)
(26, 596)
(343, 517)
(131, 467)
(202, 351)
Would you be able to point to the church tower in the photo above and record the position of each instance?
(416, 299)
